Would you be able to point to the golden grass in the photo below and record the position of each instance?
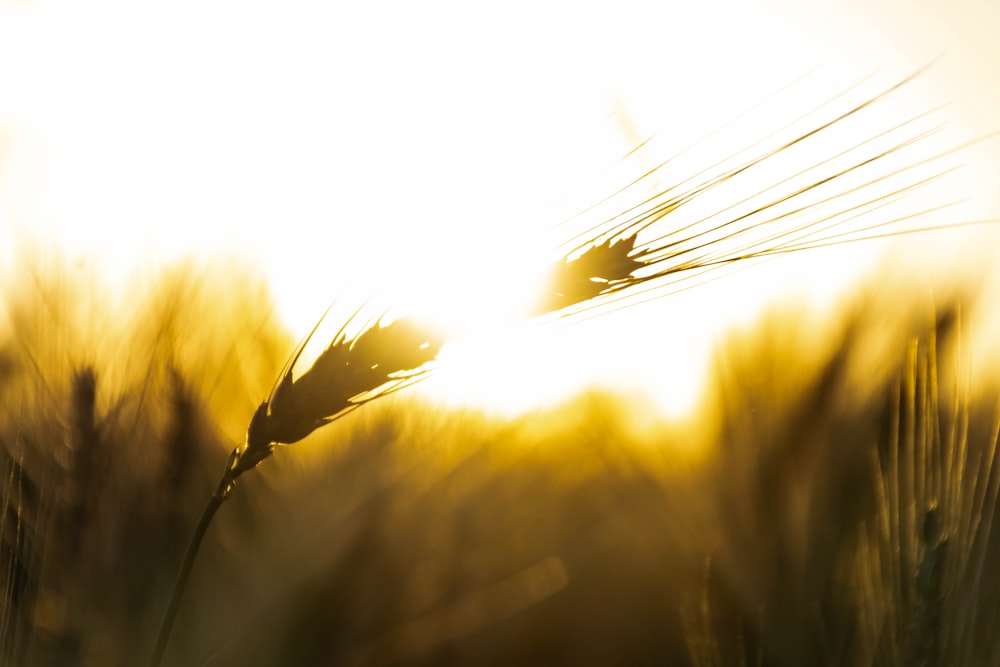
(834, 520)
(411, 536)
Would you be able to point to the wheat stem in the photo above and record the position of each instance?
(221, 493)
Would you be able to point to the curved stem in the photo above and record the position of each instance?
(221, 493)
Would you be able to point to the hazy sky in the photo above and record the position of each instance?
(362, 145)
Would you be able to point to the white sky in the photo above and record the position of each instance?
(359, 145)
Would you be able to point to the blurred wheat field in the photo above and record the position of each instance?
(674, 461)
(833, 502)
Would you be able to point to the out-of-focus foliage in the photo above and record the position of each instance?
(834, 504)
(109, 414)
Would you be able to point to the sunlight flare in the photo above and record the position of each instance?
(432, 166)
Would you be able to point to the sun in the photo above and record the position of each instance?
(346, 153)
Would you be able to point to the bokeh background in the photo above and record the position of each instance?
(793, 464)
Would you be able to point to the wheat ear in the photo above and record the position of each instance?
(844, 198)
(350, 372)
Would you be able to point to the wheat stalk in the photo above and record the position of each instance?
(925, 628)
(844, 198)
(350, 372)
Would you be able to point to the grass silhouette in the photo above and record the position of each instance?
(345, 376)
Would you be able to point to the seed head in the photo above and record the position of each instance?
(600, 267)
(348, 373)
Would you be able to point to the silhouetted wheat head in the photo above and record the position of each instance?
(347, 374)
(655, 247)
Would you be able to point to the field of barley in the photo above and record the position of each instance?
(833, 500)
(390, 334)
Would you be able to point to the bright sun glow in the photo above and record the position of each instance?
(424, 153)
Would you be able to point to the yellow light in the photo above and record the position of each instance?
(423, 152)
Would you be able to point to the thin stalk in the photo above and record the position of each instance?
(221, 493)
